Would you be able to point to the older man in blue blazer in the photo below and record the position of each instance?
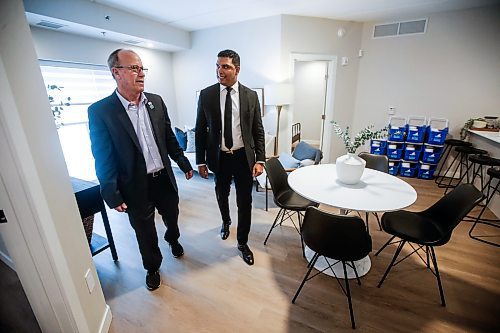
(131, 140)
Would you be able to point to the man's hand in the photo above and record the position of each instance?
(122, 208)
(258, 169)
(189, 174)
(203, 171)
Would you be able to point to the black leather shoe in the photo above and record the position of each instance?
(177, 249)
(224, 230)
(153, 280)
(246, 253)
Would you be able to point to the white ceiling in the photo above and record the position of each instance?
(194, 15)
(190, 15)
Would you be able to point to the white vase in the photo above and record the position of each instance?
(350, 168)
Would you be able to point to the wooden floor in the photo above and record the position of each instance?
(211, 289)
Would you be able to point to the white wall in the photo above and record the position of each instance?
(54, 45)
(258, 44)
(319, 36)
(48, 217)
(452, 71)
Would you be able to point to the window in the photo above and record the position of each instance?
(83, 84)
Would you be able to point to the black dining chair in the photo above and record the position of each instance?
(342, 238)
(429, 228)
(379, 163)
(285, 198)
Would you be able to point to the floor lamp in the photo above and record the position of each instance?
(278, 94)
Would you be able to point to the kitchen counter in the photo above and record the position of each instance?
(489, 135)
(489, 141)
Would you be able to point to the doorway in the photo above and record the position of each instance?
(313, 76)
(310, 82)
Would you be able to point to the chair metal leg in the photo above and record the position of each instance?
(281, 212)
(459, 166)
(367, 224)
(446, 153)
(355, 272)
(427, 257)
(348, 291)
(385, 245)
(434, 261)
(400, 247)
(301, 238)
(442, 178)
(378, 221)
(313, 261)
(489, 197)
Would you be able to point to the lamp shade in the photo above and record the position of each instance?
(278, 94)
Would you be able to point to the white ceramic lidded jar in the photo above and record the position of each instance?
(350, 168)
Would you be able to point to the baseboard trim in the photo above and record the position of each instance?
(6, 259)
(106, 320)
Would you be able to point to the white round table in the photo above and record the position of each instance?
(376, 192)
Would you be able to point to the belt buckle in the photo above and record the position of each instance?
(156, 173)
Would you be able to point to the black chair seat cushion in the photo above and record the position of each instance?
(456, 143)
(484, 160)
(414, 227)
(292, 201)
(471, 150)
(339, 237)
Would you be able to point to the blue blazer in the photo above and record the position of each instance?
(119, 162)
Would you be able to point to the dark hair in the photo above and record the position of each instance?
(230, 54)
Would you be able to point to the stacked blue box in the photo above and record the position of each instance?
(396, 133)
(437, 131)
(397, 129)
(432, 154)
(415, 129)
(378, 147)
(412, 152)
(426, 171)
(436, 136)
(394, 167)
(408, 169)
(395, 150)
(415, 133)
(413, 147)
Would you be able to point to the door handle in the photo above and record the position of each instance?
(3, 219)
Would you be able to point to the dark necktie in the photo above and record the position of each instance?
(228, 124)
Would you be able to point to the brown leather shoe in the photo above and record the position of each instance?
(246, 253)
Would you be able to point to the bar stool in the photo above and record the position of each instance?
(477, 164)
(490, 190)
(461, 161)
(449, 145)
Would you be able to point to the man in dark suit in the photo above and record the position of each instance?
(230, 142)
(131, 140)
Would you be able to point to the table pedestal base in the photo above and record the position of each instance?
(362, 266)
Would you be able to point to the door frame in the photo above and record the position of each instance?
(332, 61)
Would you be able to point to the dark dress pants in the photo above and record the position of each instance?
(162, 196)
(235, 166)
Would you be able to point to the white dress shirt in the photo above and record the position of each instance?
(236, 126)
(139, 117)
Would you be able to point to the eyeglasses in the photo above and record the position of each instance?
(134, 68)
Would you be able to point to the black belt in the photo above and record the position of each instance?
(232, 151)
(156, 173)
